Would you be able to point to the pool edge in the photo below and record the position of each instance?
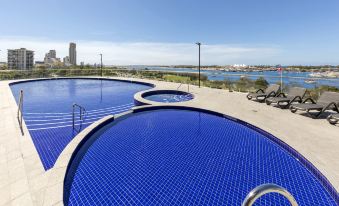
(140, 100)
(94, 78)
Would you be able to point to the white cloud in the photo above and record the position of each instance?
(145, 53)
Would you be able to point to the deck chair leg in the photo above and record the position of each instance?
(314, 116)
(331, 120)
(292, 109)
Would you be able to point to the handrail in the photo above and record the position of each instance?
(188, 86)
(19, 113)
(261, 190)
(82, 113)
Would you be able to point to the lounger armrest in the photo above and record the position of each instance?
(271, 94)
(309, 100)
(297, 99)
(260, 90)
(332, 104)
(282, 94)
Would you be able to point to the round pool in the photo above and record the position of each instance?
(186, 156)
(167, 96)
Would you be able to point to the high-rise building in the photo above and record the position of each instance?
(21, 59)
(72, 53)
(52, 53)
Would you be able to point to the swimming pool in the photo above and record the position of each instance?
(186, 156)
(167, 96)
(48, 108)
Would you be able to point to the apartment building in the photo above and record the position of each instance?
(21, 59)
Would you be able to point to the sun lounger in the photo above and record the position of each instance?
(261, 95)
(295, 94)
(326, 101)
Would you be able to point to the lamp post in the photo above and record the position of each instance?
(199, 44)
(101, 63)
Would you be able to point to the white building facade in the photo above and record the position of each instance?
(20, 59)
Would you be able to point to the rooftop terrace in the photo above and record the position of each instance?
(23, 180)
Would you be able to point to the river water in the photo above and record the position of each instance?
(289, 77)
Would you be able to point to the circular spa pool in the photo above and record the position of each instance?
(185, 156)
(167, 96)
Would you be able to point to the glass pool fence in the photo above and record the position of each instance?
(239, 82)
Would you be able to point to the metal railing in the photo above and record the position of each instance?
(19, 113)
(82, 112)
(261, 190)
(188, 86)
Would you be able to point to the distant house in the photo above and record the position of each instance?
(39, 64)
(51, 60)
(66, 61)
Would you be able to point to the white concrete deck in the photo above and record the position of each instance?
(23, 180)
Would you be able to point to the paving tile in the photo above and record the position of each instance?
(14, 154)
(3, 159)
(56, 176)
(5, 195)
(53, 195)
(39, 182)
(38, 197)
(17, 173)
(18, 188)
(24, 199)
(16, 163)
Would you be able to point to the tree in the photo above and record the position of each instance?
(261, 83)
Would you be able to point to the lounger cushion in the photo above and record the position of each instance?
(296, 91)
(328, 97)
(279, 99)
(254, 95)
(308, 106)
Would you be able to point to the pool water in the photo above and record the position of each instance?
(48, 109)
(168, 96)
(184, 157)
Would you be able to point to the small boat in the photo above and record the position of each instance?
(310, 81)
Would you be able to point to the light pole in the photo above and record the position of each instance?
(199, 44)
(101, 63)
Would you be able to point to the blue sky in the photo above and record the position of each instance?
(164, 32)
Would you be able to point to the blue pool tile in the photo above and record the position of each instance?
(48, 109)
(175, 157)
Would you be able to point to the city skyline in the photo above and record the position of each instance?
(152, 32)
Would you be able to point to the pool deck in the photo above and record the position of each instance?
(23, 181)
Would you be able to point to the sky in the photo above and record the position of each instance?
(164, 32)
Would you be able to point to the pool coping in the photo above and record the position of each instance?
(55, 190)
(94, 78)
(139, 99)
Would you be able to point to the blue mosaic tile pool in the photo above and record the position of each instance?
(48, 109)
(183, 157)
(168, 96)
